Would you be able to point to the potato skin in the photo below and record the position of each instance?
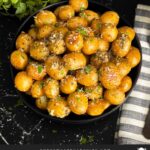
(108, 32)
(39, 51)
(36, 71)
(19, 59)
(89, 15)
(45, 17)
(55, 67)
(37, 89)
(121, 45)
(33, 33)
(42, 102)
(74, 41)
(134, 56)
(126, 84)
(128, 31)
(58, 107)
(68, 84)
(114, 96)
(103, 45)
(96, 25)
(88, 76)
(44, 31)
(94, 92)
(109, 75)
(78, 103)
(79, 5)
(76, 22)
(23, 81)
(90, 45)
(110, 17)
(97, 107)
(23, 42)
(74, 61)
(51, 88)
(65, 12)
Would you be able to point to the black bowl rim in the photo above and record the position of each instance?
(86, 120)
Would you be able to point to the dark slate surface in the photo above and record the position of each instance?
(20, 125)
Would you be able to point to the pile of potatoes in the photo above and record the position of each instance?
(75, 60)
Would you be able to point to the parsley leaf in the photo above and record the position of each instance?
(40, 68)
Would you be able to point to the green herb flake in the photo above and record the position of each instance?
(83, 140)
(86, 140)
(82, 31)
(87, 69)
(80, 90)
(40, 68)
(98, 25)
(82, 8)
(90, 138)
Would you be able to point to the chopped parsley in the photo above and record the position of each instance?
(83, 140)
(82, 31)
(87, 69)
(40, 68)
(86, 140)
(82, 8)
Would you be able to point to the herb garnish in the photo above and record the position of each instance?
(86, 140)
(82, 31)
(87, 69)
(40, 68)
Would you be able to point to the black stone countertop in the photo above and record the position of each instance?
(20, 125)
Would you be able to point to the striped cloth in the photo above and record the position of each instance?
(133, 113)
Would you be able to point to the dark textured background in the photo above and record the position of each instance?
(19, 125)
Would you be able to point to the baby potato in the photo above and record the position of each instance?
(42, 102)
(19, 59)
(79, 5)
(96, 25)
(55, 67)
(109, 75)
(87, 76)
(36, 71)
(76, 22)
(74, 41)
(24, 42)
(68, 84)
(114, 96)
(51, 88)
(78, 103)
(58, 107)
(134, 56)
(56, 43)
(33, 33)
(110, 17)
(74, 61)
(121, 45)
(90, 45)
(126, 84)
(39, 51)
(23, 81)
(37, 89)
(103, 45)
(97, 107)
(44, 31)
(45, 17)
(122, 65)
(89, 15)
(61, 30)
(99, 58)
(128, 31)
(65, 12)
(108, 32)
(94, 92)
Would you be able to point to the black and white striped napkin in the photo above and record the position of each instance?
(134, 111)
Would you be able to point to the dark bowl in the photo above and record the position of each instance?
(72, 118)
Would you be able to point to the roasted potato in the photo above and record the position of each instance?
(88, 76)
(74, 60)
(79, 5)
(36, 71)
(45, 17)
(126, 84)
(39, 51)
(19, 59)
(97, 107)
(134, 56)
(103, 45)
(55, 67)
(114, 96)
(23, 81)
(42, 102)
(51, 88)
(68, 84)
(33, 33)
(78, 103)
(23, 42)
(58, 107)
(90, 45)
(109, 75)
(74, 41)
